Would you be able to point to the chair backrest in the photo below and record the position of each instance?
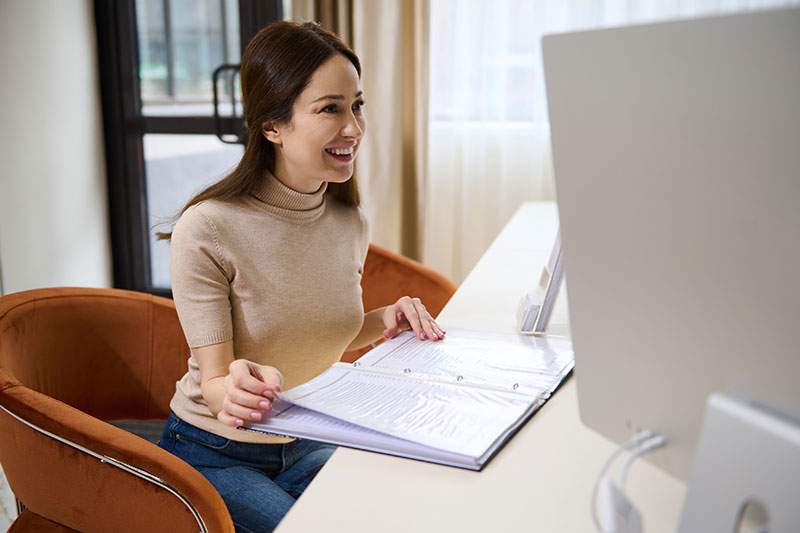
(110, 353)
(389, 276)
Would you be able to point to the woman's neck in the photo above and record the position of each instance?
(303, 185)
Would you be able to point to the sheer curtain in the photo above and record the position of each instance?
(488, 137)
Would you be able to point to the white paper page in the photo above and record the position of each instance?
(534, 365)
(450, 417)
(293, 420)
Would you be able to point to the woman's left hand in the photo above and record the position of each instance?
(409, 313)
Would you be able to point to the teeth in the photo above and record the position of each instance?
(340, 151)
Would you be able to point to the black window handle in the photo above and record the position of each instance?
(229, 129)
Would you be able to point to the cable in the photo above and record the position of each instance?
(655, 442)
(637, 440)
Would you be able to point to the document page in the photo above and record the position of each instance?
(286, 418)
(447, 416)
(531, 365)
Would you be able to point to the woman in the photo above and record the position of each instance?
(266, 267)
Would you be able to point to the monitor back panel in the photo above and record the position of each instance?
(677, 161)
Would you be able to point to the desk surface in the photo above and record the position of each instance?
(542, 480)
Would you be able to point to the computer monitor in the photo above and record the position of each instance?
(677, 166)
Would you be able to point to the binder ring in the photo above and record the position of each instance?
(406, 371)
(515, 386)
(459, 378)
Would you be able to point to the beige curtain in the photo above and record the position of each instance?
(391, 39)
(333, 15)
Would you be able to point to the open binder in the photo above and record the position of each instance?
(453, 402)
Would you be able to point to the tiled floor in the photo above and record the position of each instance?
(8, 509)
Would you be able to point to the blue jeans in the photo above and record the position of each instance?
(258, 482)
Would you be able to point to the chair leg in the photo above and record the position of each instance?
(20, 506)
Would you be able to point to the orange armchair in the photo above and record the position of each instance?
(71, 360)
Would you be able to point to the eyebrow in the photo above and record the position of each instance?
(335, 97)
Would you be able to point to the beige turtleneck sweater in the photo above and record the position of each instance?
(279, 273)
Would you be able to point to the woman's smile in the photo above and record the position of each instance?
(342, 154)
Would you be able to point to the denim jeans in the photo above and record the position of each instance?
(258, 482)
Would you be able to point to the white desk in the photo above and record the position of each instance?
(541, 481)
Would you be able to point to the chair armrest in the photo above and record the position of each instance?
(88, 475)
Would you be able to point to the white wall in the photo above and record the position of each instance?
(53, 201)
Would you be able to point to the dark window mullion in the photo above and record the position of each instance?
(120, 95)
(223, 17)
(190, 125)
(254, 15)
(170, 49)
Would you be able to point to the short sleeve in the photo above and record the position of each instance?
(200, 281)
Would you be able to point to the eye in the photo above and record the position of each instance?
(358, 105)
(332, 108)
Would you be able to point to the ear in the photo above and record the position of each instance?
(271, 133)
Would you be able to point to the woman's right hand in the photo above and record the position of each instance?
(250, 389)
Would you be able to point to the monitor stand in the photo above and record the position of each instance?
(746, 473)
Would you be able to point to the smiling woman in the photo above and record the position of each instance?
(266, 269)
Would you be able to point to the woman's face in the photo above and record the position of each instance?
(322, 139)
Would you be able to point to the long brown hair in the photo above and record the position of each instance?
(276, 66)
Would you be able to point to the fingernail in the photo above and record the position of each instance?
(255, 416)
(239, 422)
(264, 405)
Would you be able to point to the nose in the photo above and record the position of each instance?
(353, 127)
